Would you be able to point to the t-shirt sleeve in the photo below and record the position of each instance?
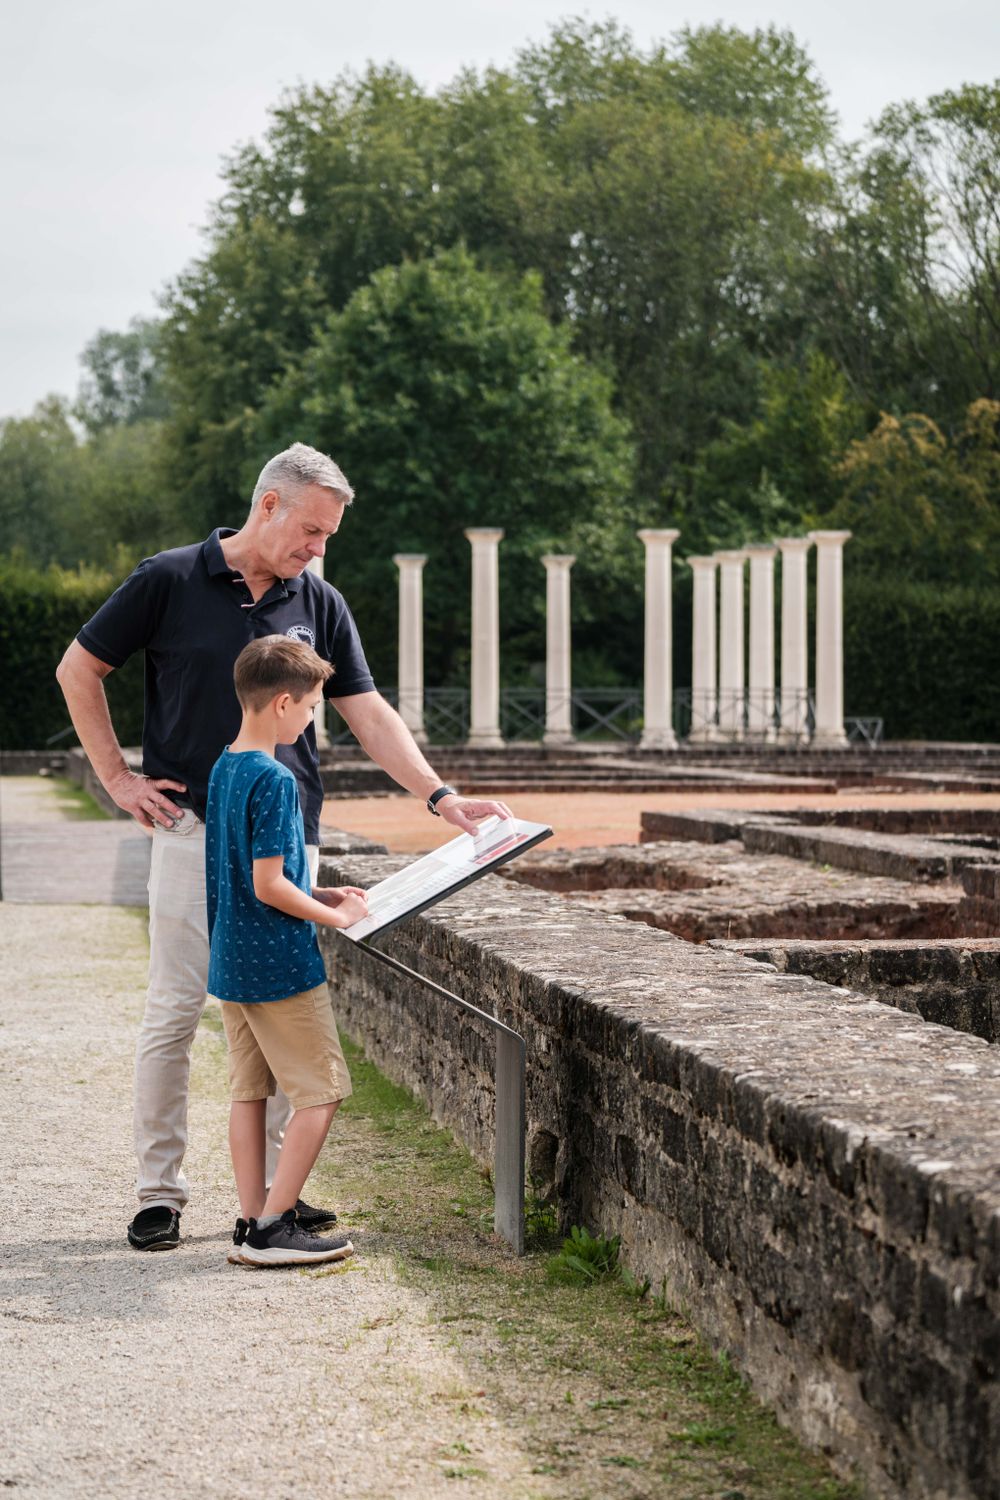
(125, 622)
(351, 673)
(274, 808)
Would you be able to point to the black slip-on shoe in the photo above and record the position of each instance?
(155, 1229)
(314, 1218)
(286, 1243)
(239, 1236)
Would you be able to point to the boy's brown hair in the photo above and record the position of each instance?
(277, 664)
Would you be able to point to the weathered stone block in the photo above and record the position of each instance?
(948, 981)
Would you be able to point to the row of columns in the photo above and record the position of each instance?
(716, 715)
(719, 687)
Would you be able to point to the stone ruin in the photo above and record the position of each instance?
(762, 1050)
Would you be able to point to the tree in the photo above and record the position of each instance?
(780, 471)
(451, 401)
(667, 198)
(103, 501)
(42, 492)
(906, 286)
(924, 506)
(123, 378)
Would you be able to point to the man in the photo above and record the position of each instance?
(192, 610)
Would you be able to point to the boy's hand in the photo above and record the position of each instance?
(333, 895)
(349, 901)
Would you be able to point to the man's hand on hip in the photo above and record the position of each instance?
(141, 797)
(468, 812)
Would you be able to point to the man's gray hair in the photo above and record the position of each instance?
(296, 469)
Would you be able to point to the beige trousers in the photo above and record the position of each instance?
(175, 999)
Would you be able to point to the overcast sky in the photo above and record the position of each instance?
(114, 117)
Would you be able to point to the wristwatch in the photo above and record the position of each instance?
(435, 798)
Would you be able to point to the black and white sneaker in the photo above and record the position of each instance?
(156, 1228)
(314, 1218)
(239, 1238)
(286, 1243)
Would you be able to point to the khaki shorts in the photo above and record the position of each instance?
(291, 1042)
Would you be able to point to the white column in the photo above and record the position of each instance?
(558, 668)
(760, 699)
(658, 681)
(794, 644)
(315, 565)
(829, 730)
(732, 669)
(484, 727)
(411, 641)
(704, 694)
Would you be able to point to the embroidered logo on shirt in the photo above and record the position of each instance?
(302, 633)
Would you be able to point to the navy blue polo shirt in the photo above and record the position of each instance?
(192, 615)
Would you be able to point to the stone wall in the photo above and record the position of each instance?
(32, 762)
(953, 981)
(701, 891)
(979, 908)
(714, 824)
(813, 1175)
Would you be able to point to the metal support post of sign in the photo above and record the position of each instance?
(508, 1168)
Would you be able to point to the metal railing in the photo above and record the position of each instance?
(615, 714)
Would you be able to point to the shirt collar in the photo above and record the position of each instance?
(216, 563)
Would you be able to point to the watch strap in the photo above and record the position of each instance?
(435, 798)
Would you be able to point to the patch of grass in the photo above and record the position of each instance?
(75, 803)
(704, 1435)
(541, 1221)
(211, 1019)
(583, 1259)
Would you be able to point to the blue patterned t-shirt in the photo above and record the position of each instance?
(257, 952)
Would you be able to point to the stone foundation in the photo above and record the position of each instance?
(979, 908)
(815, 1176)
(955, 982)
(712, 825)
(700, 892)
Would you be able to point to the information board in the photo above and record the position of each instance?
(444, 871)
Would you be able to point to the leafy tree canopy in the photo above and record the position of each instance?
(664, 197)
(923, 505)
(906, 283)
(123, 379)
(452, 401)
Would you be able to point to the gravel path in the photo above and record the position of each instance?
(124, 1371)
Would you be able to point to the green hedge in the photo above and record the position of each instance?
(924, 657)
(40, 613)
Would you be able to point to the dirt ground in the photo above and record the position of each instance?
(581, 820)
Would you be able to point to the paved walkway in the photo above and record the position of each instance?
(128, 1374)
(46, 854)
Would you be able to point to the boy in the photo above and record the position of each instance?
(265, 966)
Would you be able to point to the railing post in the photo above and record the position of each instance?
(508, 1167)
(509, 1112)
